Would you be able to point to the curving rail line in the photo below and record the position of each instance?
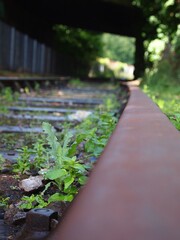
(134, 190)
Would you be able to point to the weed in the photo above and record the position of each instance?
(7, 97)
(175, 119)
(24, 162)
(95, 131)
(58, 162)
(40, 156)
(110, 104)
(4, 202)
(8, 94)
(67, 172)
(2, 161)
(33, 201)
(167, 100)
(37, 87)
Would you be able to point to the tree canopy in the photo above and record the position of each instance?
(162, 18)
(161, 31)
(86, 46)
(83, 45)
(118, 48)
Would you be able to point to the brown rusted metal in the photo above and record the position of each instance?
(134, 190)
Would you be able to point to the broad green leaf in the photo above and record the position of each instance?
(67, 139)
(72, 149)
(80, 167)
(55, 173)
(82, 180)
(59, 197)
(68, 181)
(71, 190)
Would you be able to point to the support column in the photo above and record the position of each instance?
(139, 58)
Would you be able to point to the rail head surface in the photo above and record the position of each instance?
(134, 190)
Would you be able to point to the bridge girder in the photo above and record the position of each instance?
(37, 19)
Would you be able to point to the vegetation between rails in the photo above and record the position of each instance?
(64, 160)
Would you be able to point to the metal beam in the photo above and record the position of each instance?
(134, 190)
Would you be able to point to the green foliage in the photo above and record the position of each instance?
(7, 94)
(161, 77)
(4, 202)
(110, 104)
(84, 43)
(84, 46)
(58, 162)
(67, 172)
(33, 201)
(2, 161)
(77, 83)
(7, 97)
(118, 48)
(105, 67)
(161, 27)
(175, 119)
(161, 84)
(95, 132)
(38, 153)
(58, 152)
(162, 18)
(23, 161)
(37, 87)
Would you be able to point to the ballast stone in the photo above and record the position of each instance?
(31, 183)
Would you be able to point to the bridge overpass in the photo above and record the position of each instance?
(37, 18)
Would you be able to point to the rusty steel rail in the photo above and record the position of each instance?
(134, 191)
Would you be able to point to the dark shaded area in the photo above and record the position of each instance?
(36, 18)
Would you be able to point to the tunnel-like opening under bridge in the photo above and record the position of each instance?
(37, 18)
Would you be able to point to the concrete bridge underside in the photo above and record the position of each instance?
(36, 18)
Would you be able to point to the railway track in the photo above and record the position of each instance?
(134, 191)
(59, 104)
(21, 119)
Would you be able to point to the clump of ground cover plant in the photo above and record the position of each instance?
(7, 97)
(64, 160)
(167, 100)
(162, 85)
(161, 80)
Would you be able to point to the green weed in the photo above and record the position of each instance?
(4, 202)
(33, 201)
(24, 162)
(67, 172)
(161, 83)
(2, 161)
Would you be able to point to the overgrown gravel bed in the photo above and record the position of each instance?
(55, 162)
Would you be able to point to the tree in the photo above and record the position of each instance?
(162, 23)
(118, 48)
(84, 46)
(162, 41)
(162, 18)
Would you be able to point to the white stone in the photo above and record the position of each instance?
(79, 115)
(31, 183)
